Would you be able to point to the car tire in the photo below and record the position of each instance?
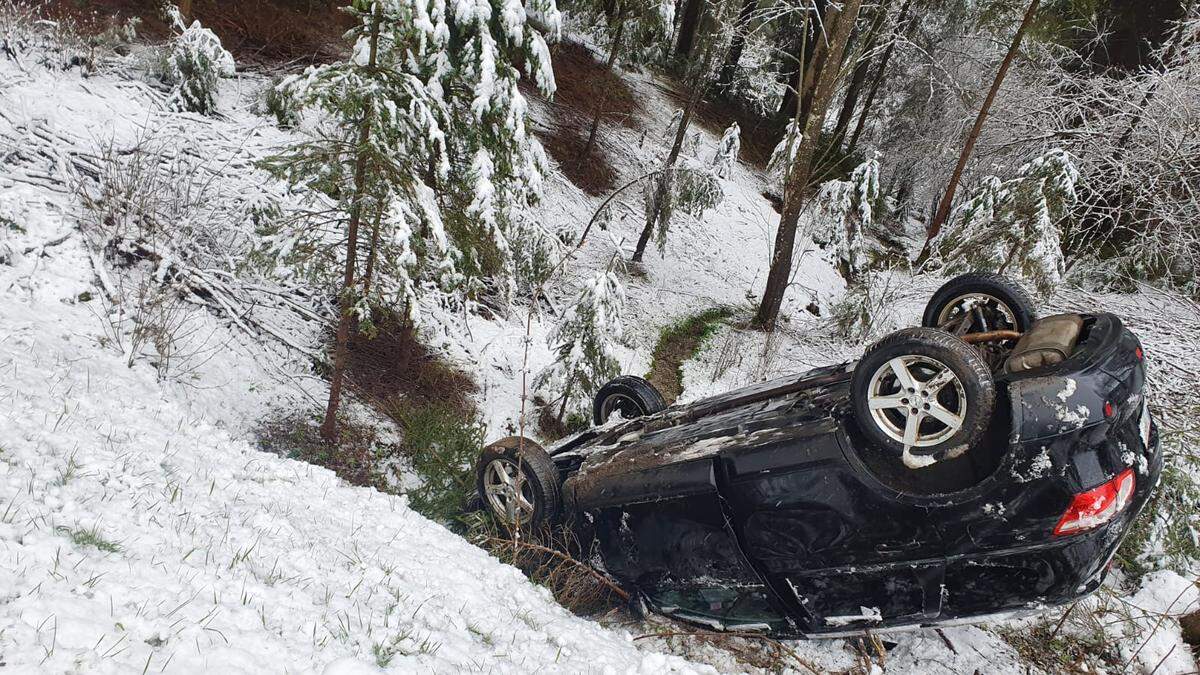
(538, 480)
(949, 391)
(1008, 305)
(630, 395)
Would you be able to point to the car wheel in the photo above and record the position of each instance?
(629, 395)
(923, 394)
(979, 302)
(518, 484)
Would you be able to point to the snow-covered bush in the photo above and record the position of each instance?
(1014, 226)
(194, 62)
(691, 185)
(842, 214)
(584, 343)
(867, 310)
(785, 151)
(725, 157)
(279, 103)
(157, 227)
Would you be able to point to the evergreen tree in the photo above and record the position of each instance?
(425, 111)
(193, 65)
(844, 211)
(584, 342)
(1014, 225)
(686, 184)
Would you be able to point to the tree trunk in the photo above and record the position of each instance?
(859, 78)
(666, 177)
(185, 11)
(329, 430)
(806, 47)
(829, 54)
(687, 28)
(372, 250)
(602, 103)
(737, 45)
(880, 71)
(943, 212)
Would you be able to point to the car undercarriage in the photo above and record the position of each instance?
(989, 463)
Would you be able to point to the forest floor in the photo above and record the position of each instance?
(142, 528)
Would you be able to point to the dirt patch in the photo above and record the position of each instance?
(565, 142)
(265, 33)
(678, 343)
(583, 84)
(391, 363)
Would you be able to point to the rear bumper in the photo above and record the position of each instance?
(1053, 571)
(1058, 571)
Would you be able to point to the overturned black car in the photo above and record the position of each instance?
(986, 463)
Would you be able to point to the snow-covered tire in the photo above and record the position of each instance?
(541, 502)
(943, 384)
(630, 395)
(1006, 305)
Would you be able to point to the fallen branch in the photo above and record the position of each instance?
(604, 580)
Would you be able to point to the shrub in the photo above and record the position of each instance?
(278, 102)
(442, 444)
(355, 458)
(1165, 534)
(194, 63)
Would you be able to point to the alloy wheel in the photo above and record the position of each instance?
(917, 400)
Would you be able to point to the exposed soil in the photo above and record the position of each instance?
(584, 83)
(393, 364)
(564, 141)
(715, 114)
(269, 32)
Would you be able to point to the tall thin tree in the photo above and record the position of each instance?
(902, 25)
(838, 23)
(943, 210)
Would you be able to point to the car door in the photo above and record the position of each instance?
(841, 553)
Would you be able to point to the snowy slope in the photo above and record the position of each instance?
(224, 558)
(139, 530)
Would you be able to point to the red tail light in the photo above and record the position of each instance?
(1097, 506)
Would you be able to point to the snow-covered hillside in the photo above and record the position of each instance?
(141, 530)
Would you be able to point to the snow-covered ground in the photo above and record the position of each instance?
(141, 530)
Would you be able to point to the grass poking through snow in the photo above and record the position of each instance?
(679, 342)
(84, 537)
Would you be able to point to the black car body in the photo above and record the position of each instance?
(765, 508)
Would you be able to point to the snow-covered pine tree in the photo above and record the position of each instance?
(842, 213)
(725, 157)
(688, 185)
(584, 342)
(424, 118)
(1014, 226)
(685, 184)
(194, 63)
(784, 153)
